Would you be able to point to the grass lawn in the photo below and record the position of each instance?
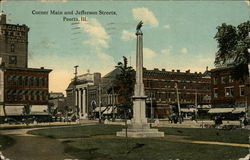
(210, 134)
(5, 142)
(98, 142)
(149, 149)
(78, 131)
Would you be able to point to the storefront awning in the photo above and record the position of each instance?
(39, 110)
(105, 110)
(239, 110)
(14, 110)
(189, 110)
(220, 110)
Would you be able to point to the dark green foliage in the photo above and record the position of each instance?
(124, 85)
(233, 44)
(227, 39)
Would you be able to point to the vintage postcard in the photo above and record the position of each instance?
(124, 80)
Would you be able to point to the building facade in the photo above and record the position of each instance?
(229, 96)
(162, 86)
(14, 44)
(77, 93)
(24, 86)
(21, 87)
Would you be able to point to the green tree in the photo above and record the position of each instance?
(124, 85)
(227, 39)
(233, 45)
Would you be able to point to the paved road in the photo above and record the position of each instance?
(30, 147)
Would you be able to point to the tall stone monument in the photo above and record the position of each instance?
(139, 126)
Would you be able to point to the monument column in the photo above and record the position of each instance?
(139, 98)
(139, 126)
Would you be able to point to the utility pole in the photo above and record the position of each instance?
(178, 100)
(100, 102)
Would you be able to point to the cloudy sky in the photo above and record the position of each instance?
(177, 34)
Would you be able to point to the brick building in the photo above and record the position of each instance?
(229, 96)
(14, 44)
(160, 85)
(193, 88)
(24, 86)
(20, 86)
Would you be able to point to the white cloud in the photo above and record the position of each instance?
(247, 2)
(97, 42)
(146, 16)
(184, 50)
(167, 26)
(165, 51)
(127, 36)
(98, 35)
(148, 53)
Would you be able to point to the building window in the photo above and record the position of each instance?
(223, 80)
(12, 47)
(242, 90)
(215, 92)
(215, 80)
(31, 81)
(230, 79)
(229, 91)
(12, 60)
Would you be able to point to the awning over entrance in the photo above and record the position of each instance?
(239, 110)
(39, 110)
(220, 110)
(188, 110)
(14, 110)
(106, 110)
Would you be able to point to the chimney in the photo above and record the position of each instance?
(172, 70)
(188, 71)
(163, 70)
(178, 70)
(42, 67)
(156, 69)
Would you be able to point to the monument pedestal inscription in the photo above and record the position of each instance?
(139, 126)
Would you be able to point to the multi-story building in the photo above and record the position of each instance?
(162, 87)
(229, 96)
(20, 86)
(14, 44)
(24, 86)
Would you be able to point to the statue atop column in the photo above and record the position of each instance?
(139, 126)
(139, 25)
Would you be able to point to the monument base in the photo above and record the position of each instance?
(140, 131)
